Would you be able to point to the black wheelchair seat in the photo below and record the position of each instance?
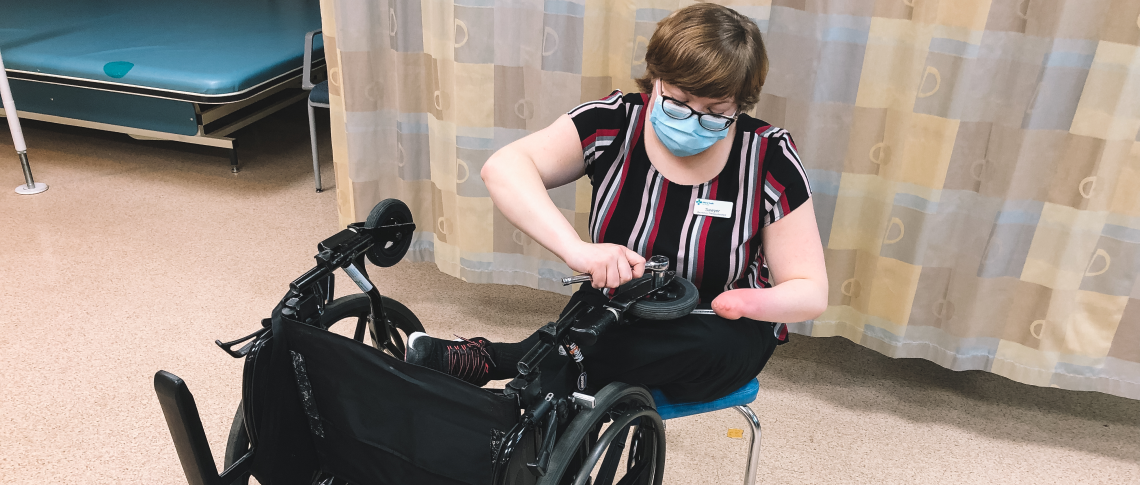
(369, 417)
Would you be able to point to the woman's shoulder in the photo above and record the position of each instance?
(612, 102)
(636, 99)
(781, 156)
(612, 112)
(759, 127)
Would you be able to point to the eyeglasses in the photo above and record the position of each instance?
(679, 111)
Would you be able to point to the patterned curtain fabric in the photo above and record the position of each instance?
(976, 163)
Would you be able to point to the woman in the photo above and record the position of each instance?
(678, 170)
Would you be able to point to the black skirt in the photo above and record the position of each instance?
(695, 358)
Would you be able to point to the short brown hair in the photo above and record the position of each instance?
(709, 51)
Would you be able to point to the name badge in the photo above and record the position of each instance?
(714, 208)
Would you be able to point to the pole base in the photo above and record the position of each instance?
(24, 190)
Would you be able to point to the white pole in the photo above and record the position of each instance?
(30, 186)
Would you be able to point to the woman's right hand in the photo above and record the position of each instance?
(609, 265)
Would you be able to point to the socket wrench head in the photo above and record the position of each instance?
(657, 263)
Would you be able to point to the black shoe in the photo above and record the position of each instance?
(469, 360)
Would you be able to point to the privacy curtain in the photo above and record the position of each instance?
(975, 163)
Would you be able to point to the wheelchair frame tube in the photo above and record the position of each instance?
(530, 361)
(360, 276)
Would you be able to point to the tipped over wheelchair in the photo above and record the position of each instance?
(318, 407)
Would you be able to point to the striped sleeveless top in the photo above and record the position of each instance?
(635, 206)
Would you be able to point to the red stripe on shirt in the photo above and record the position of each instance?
(758, 196)
(635, 136)
(704, 236)
(657, 217)
(780, 190)
(757, 205)
(589, 140)
(593, 137)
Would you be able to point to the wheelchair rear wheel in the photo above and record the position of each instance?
(588, 441)
(354, 311)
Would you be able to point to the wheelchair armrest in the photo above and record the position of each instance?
(189, 438)
(307, 67)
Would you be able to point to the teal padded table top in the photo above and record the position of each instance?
(201, 50)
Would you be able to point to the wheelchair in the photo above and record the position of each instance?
(321, 408)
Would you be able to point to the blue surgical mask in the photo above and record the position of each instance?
(684, 137)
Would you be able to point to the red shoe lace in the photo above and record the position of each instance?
(465, 363)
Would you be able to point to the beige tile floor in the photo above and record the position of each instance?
(142, 253)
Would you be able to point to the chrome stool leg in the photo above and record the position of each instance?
(754, 446)
(313, 142)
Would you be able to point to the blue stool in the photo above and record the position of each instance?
(738, 400)
(318, 98)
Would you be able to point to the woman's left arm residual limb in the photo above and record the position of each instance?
(794, 254)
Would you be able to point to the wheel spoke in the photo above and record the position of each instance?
(613, 457)
(635, 451)
(636, 475)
